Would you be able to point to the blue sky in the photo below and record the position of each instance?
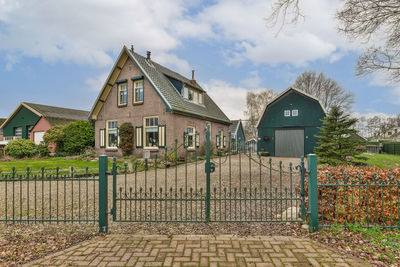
(59, 52)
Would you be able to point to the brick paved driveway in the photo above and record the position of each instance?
(197, 250)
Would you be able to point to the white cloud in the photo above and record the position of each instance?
(96, 83)
(253, 81)
(382, 79)
(87, 32)
(234, 105)
(242, 22)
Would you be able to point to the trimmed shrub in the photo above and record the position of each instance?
(20, 148)
(42, 150)
(79, 136)
(55, 136)
(126, 138)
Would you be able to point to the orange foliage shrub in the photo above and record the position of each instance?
(368, 195)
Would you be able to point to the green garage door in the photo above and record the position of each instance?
(289, 142)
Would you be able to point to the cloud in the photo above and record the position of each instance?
(382, 79)
(242, 23)
(96, 83)
(91, 32)
(234, 105)
(88, 32)
(253, 81)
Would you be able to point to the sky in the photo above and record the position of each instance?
(60, 52)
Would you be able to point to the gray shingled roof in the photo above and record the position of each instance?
(57, 115)
(233, 127)
(176, 76)
(156, 73)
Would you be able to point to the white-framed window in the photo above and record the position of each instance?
(190, 137)
(150, 125)
(295, 112)
(28, 130)
(138, 91)
(192, 95)
(200, 98)
(221, 141)
(18, 132)
(286, 113)
(112, 134)
(122, 94)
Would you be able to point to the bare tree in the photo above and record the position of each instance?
(364, 20)
(284, 12)
(328, 91)
(256, 103)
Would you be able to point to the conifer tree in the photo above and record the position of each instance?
(339, 142)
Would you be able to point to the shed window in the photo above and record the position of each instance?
(287, 113)
(295, 112)
(18, 132)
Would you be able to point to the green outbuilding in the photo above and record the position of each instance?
(289, 125)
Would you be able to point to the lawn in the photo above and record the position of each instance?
(384, 161)
(49, 164)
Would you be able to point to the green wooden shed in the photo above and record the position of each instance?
(289, 124)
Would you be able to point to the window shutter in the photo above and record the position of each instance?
(102, 138)
(117, 137)
(197, 139)
(161, 135)
(139, 136)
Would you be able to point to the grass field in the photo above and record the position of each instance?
(384, 161)
(50, 164)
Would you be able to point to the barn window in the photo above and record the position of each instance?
(287, 113)
(295, 112)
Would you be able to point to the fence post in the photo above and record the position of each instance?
(313, 191)
(302, 192)
(208, 171)
(103, 198)
(114, 185)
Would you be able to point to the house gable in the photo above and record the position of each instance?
(166, 84)
(23, 117)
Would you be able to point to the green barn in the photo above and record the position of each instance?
(289, 124)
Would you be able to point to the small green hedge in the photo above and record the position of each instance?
(392, 148)
(21, 148)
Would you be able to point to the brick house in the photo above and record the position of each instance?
(31, 121)
(160, 104)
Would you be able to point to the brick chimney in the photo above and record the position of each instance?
(193, 81)
(148, 55)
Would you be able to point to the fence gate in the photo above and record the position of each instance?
(187, 186)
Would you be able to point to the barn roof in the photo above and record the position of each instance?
(285, 92)
(54, 115)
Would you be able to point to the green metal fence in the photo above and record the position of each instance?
(48, 196)
(348, 200)
(215, 187)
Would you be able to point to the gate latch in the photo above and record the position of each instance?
(211, 167)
